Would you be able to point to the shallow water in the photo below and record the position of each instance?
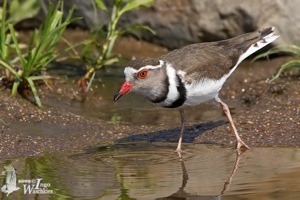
(131, 109)
(154, 171)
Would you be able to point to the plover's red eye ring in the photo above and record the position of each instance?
(143, 74)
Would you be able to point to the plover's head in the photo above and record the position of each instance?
(146, 76)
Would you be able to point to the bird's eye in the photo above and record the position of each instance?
(143, 74)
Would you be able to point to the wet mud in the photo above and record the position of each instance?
(266, 114)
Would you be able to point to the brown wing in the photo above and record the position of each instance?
(213, 59)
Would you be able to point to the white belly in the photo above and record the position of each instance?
(204, 90)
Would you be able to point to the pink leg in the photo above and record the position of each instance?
(182, 117)
(239, 141)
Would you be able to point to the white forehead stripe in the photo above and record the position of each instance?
(128, 71)
(161, 63)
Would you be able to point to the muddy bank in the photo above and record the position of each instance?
(28, 130)
(265, 115)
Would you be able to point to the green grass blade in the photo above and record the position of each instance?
(38, 54)
(294, 47)
(15, 87)
(71, 47)
(87, 47)
(3, 49)
(34, 91)
(20, 11)
(10, 68)
(51, 21)
(51, 15)
(48, 43)
(17, 47)
(111, 44)
(50, 37)
(36, 78)
(293, 50)
(110, 61)
(90, 81)
(134, 4)
(286, 66)
(101, 5)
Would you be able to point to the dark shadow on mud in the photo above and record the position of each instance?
(172, 135)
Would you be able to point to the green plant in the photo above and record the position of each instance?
(103, 40)
(17, 12)
(292, 50)
(20, 10)
(40, 51)
(4, 38)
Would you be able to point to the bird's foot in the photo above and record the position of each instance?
(241, 147)
(178, 150)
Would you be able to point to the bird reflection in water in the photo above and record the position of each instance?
(181, 194)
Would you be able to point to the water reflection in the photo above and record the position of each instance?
(181, 194)
(154, 171)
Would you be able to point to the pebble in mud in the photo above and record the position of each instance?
(277, 88)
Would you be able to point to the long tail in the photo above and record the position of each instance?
(256, 41)
(249, 43)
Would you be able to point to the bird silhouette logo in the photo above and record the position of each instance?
(11, 180)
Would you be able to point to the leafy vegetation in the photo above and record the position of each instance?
(25, 64)
(20, 10)
(27, 67)
(17, 13)
(101, 44)
(292, 50)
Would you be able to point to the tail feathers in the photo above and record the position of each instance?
(266, 31)
(265, 37)
(252, 42)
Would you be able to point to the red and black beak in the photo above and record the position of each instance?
(126, 87)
